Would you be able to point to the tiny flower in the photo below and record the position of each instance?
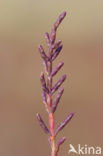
(55, 26)
(56, 53)
(59, 20)
(45, 63)
(64, 123)
(57, 99)
(56, 44)
(42, 124)
(43, 55)
(47, 38)
(44, 97)
(60, 142)
(58, 84)
(52, 36)
(57, 68)
(43, 83)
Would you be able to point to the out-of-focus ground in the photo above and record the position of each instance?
(22, 28)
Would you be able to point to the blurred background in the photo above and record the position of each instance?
(22, 27)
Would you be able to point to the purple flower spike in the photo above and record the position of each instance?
(57, 99)
(43, 83)
(59, 20)
(42, 124)
(57, 68)
(60, 142)
(55, 26)
(58, 84)
(56, 52)
(64, 123)
(46, 77)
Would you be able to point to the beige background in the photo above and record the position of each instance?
(22, 27)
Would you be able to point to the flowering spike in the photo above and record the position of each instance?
(55, 26)
(56, 52)
(64, 123)
(57, 68)
(57, 99)
(59, 20)
(58, 84)
(42, 124)
(54, 48)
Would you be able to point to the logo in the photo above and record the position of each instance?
(85, 150)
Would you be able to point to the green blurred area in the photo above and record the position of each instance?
(22, 27)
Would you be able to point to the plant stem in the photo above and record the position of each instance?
(51, 115)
